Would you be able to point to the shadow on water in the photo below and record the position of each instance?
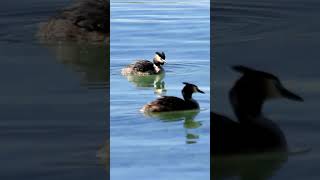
(248, 167)
(152, 81)
(189, 122)
(89, 60)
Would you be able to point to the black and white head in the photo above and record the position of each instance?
(261, 85)
(189, 89)
(159, 58)
(251, 91)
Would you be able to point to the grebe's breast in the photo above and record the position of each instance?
(231, 137)
(170, 103)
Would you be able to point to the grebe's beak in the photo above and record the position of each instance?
(288, 94)
(199, 91)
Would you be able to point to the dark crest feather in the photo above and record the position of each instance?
(189, 84)
(242, 69)
(249, 71)
(162, 55)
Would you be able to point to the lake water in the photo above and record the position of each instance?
(282, 37)
(149, 148)
(53, 118)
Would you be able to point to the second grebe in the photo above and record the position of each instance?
(171, 103)
(253, 132)
(145, 67)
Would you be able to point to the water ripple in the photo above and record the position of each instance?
(245, 21)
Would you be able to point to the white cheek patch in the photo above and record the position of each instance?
(157, 57)
(195, 89)
(272, 91)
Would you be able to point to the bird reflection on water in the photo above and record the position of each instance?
(155, 81)
(188, 116)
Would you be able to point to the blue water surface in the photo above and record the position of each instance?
(53, 119)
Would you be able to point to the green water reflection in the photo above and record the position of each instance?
(248, 167)
(152, 81)
(190, 124)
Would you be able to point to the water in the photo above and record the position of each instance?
(279, 37)
(149, 148)
(53, 118)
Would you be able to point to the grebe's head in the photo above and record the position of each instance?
(159, 58)
(261, 85)
(189, 89)
(251, 91)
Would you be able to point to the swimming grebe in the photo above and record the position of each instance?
(145, 67)
(171, 103)
(85, 20)
(253, 132)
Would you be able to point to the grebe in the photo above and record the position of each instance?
(171, 103)
(145, 67)
(253, 132)
(86, 20)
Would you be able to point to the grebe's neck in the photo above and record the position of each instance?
(157, 63)
(247, 101)
(187, 94)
